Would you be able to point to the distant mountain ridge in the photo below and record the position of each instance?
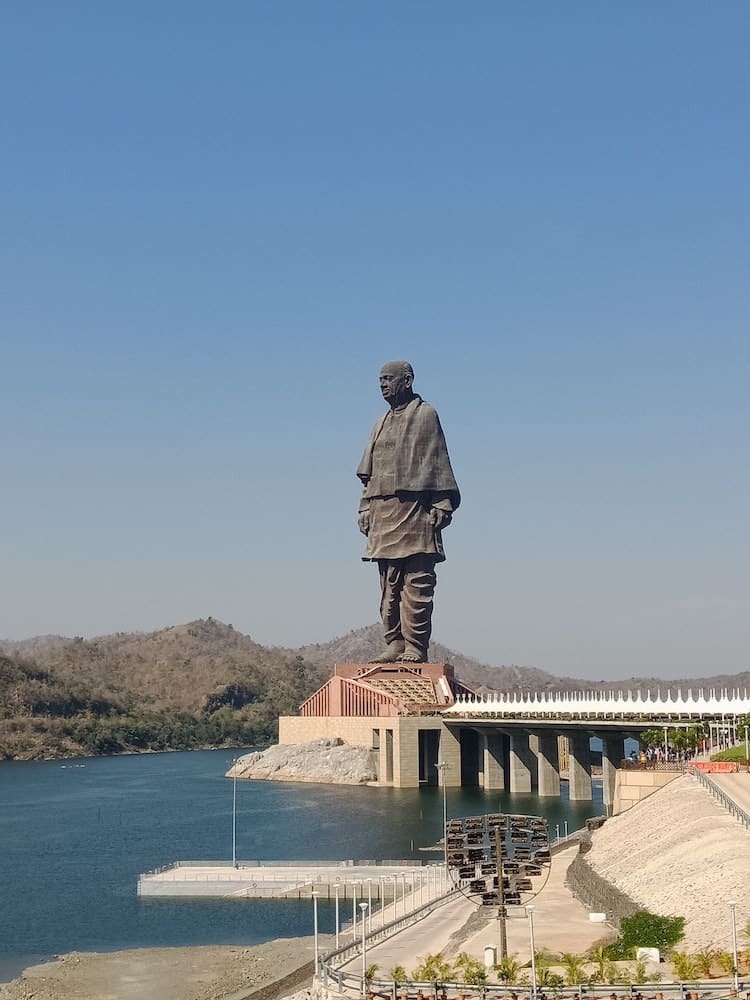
(360, 645)
(204, 683)
(219, 653)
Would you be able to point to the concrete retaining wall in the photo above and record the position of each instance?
(598, 895)
(632, 786)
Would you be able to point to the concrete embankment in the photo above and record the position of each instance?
(677, 853)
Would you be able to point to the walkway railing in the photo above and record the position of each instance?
(331, 962)
(718, 793)
(386, 989)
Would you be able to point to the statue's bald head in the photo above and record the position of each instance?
(398, 368)
(396, 379)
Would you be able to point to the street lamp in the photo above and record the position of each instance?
(354, 909)
(442, 766)
(234, 813)
(315, 895)
(733, 909)
(337, 914)
(402, 875)
(363, 908)
(369, 904)
(530, 915)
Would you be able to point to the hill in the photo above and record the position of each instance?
(190, 685)
(203, 684)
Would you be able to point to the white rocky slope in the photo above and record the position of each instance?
(680, 853)
(329, 761)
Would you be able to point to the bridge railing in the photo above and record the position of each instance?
(628, 764)
(718, 793)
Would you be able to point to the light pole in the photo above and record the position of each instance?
(530, 915)
(363, 908)
(315, 929)
(733, 909)
(441, 769)
(369, 904)
(337, 914)
(354, 910)
(382, 900)
(234, 813)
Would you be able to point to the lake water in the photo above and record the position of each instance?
(74, 836)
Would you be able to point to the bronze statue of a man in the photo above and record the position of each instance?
(409, 496)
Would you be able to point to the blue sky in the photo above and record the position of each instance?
(220, 220)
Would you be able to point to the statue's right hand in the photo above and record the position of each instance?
(364, 521)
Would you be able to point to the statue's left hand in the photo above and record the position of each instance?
(440, 518)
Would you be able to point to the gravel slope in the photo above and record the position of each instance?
(679, 853)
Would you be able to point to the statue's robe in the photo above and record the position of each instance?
(405, 470)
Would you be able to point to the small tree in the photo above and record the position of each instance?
(432, 969)
(726, 961)
(399, 974)
(575, 968)
(684, 965)
(605, 970)
(704, 961)
(508, 969)
(471, 969)
(544, 975)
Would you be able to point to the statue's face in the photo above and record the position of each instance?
(395, 385)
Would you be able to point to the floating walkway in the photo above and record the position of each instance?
(403, 883)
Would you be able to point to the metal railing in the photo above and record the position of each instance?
(726, 800)
(331, 962)
(413, 990)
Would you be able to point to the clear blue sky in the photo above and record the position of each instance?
(220, 219)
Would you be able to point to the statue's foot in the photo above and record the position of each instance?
(392, 653)
(412, 654)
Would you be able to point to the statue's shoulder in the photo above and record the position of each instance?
(423, 411)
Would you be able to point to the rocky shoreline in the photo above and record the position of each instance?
(324, 761)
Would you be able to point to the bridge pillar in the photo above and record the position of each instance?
(522, 763)
(449, 751)
(493, 767)
(548, 764)
(579, 767)
(613, 750)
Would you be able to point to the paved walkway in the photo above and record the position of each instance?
(561, 923)
(736, 786)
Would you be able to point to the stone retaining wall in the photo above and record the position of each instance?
(598, 895)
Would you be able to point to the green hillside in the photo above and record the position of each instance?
(195, 685)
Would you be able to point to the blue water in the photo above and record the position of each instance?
(75, 835)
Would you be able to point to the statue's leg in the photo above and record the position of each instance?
(391, 581)
(417, 591)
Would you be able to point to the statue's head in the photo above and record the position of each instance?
(396, 378)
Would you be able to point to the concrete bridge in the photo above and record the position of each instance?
(414, 717)
(511, 741)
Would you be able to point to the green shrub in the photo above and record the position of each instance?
(647, 930)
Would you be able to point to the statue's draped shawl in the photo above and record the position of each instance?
(421, 462)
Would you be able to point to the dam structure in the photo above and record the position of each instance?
(423, 726)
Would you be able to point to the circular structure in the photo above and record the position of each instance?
(499, 859)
